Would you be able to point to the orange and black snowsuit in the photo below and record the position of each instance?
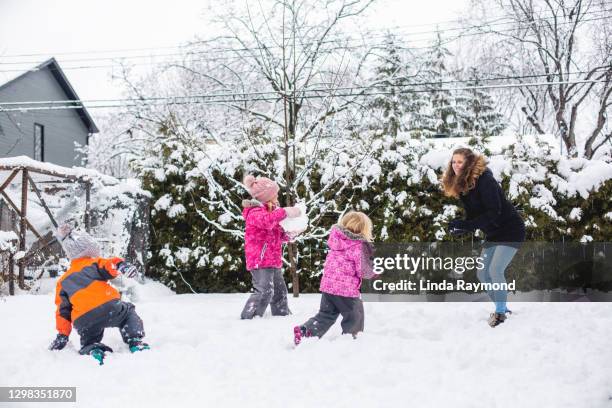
(86, 301)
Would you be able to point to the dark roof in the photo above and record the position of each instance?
(61, 79)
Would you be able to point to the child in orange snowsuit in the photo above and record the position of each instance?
(86, 301)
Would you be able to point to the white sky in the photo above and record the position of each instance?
(56, 27)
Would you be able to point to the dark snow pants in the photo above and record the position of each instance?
(269, 289)
(351, 310)
(119, 314)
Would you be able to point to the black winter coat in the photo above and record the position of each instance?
(488, 210)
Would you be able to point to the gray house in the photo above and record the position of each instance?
(46, 135)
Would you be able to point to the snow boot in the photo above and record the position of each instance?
(96, 350)
(98, 354)
(299, 332)
(137, 345)
(495, 319)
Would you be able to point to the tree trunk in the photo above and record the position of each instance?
(289, 179)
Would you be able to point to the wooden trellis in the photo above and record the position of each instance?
(28, 183)
(7, 252)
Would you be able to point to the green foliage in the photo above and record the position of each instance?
(202, 246)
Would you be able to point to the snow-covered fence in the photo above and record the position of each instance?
(112, 210)
(24, 167)
(8, 247)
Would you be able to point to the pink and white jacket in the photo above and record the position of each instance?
(263, 235)
(347, 263)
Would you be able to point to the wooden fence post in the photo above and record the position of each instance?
(11, 274)
(23, 225)
(87, 206)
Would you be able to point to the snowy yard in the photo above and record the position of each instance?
(412, 354)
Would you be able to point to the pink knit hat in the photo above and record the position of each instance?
(261, 188)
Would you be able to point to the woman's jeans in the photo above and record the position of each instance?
(496, 260)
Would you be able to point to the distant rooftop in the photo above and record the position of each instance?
(60, 77)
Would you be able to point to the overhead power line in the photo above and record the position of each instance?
(494, 21)
(301, 91)
(261, 96)
(359, 42)
(121, 50)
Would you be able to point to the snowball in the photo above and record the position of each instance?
(297, 224)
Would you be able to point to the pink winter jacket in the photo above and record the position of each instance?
(263, 236)
(347, 263)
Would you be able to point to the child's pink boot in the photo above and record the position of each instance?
(298, 333)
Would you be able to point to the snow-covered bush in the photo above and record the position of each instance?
(396, 183)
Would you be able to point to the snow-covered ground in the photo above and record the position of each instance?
(411, 354)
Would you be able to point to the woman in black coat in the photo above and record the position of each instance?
(487, 209)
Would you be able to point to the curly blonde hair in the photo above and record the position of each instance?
(456, 184)
(357, 223)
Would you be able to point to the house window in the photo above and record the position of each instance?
(39, 142)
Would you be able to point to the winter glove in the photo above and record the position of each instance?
(59, 343)
(126, 269)
(293, 212)
(459, 227)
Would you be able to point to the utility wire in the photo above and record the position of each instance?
(276, 93)
(212, 100)
(493, 20)
(360, 44)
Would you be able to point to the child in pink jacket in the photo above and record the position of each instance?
(263, 239)
(348, 262)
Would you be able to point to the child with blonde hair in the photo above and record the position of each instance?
(347, 263)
